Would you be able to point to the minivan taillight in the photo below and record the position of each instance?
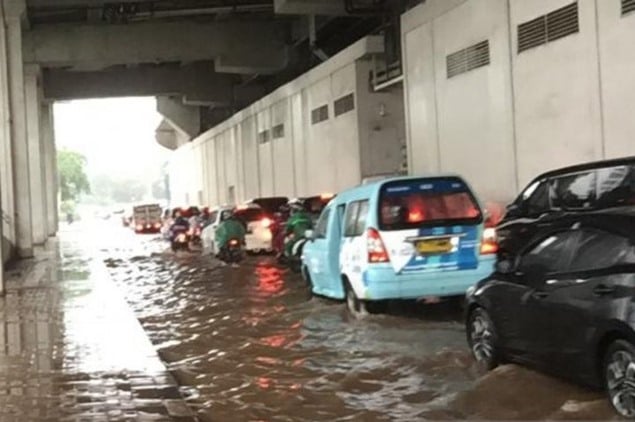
(376, 251)
(489, 245)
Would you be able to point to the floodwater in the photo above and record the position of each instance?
(250, 344)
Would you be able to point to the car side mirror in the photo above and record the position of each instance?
(513, 209)
(309, 234)
(504, 267)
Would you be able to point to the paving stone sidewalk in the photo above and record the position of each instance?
(72, 350)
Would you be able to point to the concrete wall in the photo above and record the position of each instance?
(6, 164)
(381, 126)
(304, 158)
(616, 35)
(557, 98)
(560, 103)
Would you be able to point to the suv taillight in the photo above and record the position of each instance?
(376, 251)
(489, 245)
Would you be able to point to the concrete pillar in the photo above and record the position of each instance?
(6, 198)
(185, 119)
(36, 154)
(56, 176)
(50, 158)
(19, 146)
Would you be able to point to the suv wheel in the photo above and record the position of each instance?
(619, 377)
(481, 337)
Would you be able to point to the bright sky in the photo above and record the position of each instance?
(115, 135)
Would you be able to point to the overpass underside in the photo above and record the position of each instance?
(202, 59)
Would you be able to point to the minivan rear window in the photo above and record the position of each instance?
(249, 215)
(408, 204)
(271, 205)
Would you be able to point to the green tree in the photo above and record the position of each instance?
(158, 189)
(71, 167)
(128, 190)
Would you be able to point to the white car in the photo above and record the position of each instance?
(258, 237)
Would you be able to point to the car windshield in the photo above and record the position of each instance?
(249, 215)
(427, 202)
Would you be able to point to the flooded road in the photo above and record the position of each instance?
(250, 344)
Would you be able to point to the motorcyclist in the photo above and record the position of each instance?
(178, 218)
(179, 223)
(299, 222)
(278, 230)
(229, 228)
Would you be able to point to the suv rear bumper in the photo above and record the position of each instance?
(381, 282)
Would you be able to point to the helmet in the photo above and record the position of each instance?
(227, 214)
(296, 205)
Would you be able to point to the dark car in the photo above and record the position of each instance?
(270, 205)
(565, 304)
(570, 190)
(314, 205)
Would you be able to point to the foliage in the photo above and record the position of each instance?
(158, 190)
(67, 207)
(71, 167)
(119, 190)
(130, 190)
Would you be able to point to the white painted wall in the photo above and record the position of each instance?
(617, 58)
(265, 155)
(282, 149)
(309, 158)
(381, 126)
(557, 93)
(564, 102)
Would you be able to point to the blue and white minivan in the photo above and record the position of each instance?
(398, 238)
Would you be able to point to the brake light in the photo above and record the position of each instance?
(139, 227)
(376, 251)
(415, 216)
(233, 242)
(266, 222)
(157, 226)
(489, 245)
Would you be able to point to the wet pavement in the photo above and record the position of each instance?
(72, 350)
(250, 344)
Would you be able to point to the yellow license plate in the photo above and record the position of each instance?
(434, 246)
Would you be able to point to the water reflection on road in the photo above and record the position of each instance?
(249, 344)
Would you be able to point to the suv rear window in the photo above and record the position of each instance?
(409, 204)
(271, 205)
(249, 215)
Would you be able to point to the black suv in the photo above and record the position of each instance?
(575, 189)
(565, 304)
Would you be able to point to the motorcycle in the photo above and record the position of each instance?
(194, 233)
(179, 239)
(292, 256)
(232, 253)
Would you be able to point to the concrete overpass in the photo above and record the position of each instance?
(203, 59)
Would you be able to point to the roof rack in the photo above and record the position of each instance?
(379, 177)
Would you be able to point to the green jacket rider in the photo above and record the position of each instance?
(299, 222)
(229, 228)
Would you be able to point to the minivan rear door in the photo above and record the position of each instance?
(430, 224)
